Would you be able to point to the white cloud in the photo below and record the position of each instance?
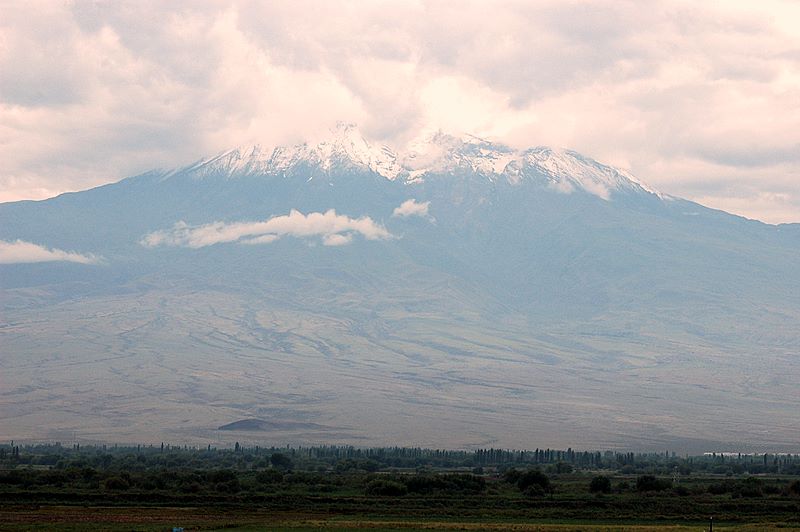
(20, 252)
(337, 239)
(334, 230)
(412, 208)
(674, 91)
(263, 239)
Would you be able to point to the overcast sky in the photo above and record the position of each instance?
(698, 99)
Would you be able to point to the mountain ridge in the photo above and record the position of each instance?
(436, 153)
(455, 307)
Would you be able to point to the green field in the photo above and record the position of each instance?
(344, 488)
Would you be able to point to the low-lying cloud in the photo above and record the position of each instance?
(412, 208)
(21, 252)
(333, 230)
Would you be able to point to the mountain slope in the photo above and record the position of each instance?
(459, 294)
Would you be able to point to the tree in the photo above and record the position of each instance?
(600, 484)
(388, 488)
(651, 483)
(269, 476)
(280, 461)
(534, 483)
(116, 483)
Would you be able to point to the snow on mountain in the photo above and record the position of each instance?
(429, 155)
(345, 147)
(568, 170)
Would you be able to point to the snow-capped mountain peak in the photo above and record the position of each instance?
(562, 169)
(431, 154)
(344, 146)
(567, 170)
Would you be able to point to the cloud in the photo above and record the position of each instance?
(412, 208)
(334, 230)
(673, 91)
(337, 239)
(20, 252)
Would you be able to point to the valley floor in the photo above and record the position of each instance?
(72, 518)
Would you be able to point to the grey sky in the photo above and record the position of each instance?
(701, 102)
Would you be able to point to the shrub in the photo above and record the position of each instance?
(512, 476)
(154, 481)
(386, 488)
(191, 487)
(600, 484)
(534, 483)
(651, 483)
(771, 489)
(720, 488)
(682, 491)
(281, 461)
(563, 467)
(116, 483)
(52, 478)
(231, 486)
(750, 487)
(349, 464)
(455, 483)
(465, 483)
(534, 490)
(269, 476)
(15, 476)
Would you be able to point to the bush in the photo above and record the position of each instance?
(349, 464)
(465, 483)
(563, 467)
(15, 476)
(750, 487)
(453, 483)
(269, 476)
(720, 488)
(116, 483)
(154, 481)
(281, 461)
(221, 476)
(794, 487)
(386, 488)
(771, 489)
(534, 490)
(651, 483)
(682, 491)
(192, 487)
(600, 484)
(512, 476)
(531, 478)
(52, 478)
(231, 486)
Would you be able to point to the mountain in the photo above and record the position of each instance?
(460, 293)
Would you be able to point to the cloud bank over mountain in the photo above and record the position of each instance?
(334, 230)
(699, 100)
(21, 252)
